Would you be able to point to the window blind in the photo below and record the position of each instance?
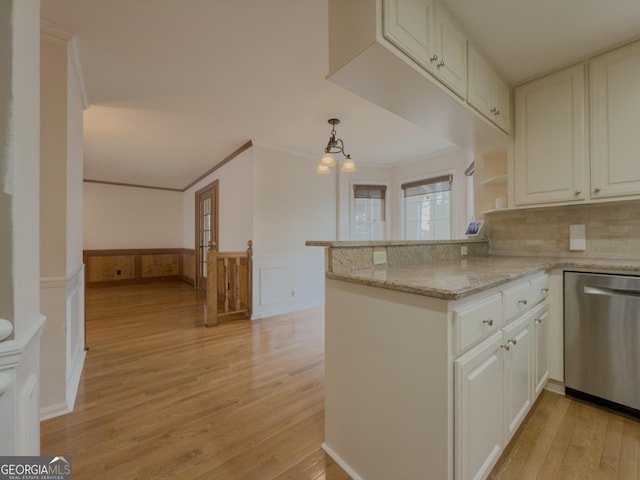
(427, 186)
(369, 191)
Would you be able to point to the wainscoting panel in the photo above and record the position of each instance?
(110, 267)
(285, 283)
(62, 352)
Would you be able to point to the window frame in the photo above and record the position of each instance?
(425, 178)
(352, 206)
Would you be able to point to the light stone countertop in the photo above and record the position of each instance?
(452, 280)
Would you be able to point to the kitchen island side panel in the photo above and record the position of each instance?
(388, 387)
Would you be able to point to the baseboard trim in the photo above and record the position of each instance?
(53, 411)
(74, 380)
(344, 465)
(555, 386)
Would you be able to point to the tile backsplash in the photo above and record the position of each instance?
(612, 230)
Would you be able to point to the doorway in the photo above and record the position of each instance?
(206, 229)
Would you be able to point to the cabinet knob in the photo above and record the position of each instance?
(488, 321)
(512, 341)
(523, 301)
(538, 320)
(596, 190)
(578, 192)
(544, 290)
(493, 110)
(441, 64)
(506, 347)
(434, 59)
(497, 112)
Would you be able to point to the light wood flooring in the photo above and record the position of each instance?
(566, 439)
(162, 397)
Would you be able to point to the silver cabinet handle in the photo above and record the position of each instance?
(596, 189)
(434, 59)
(544, 290)
(489, 322)
(441, 64)
(494, 110)
(523, 301)
(497, 112)
(577, 192)
(506, 347)
(537, 320)
(512, 341)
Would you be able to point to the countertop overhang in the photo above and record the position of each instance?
(456, 279)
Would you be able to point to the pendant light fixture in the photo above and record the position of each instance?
(334, 145)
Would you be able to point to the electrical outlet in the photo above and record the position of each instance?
(380, 257)
(463, 251)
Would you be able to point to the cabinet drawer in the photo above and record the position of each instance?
(475, 321)
(539, 288)
(517, 299)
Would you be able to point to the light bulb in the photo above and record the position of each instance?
(322, 169)
(348, 165)
(328, 160)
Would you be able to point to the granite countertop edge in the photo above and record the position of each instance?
(536, 264)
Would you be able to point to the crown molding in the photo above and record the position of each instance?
(56, 35)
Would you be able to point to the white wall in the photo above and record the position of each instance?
(61, 269)
(75, 169)
(292, 204)
(130, 217)
(235, 196)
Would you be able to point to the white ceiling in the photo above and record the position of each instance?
(177, 85)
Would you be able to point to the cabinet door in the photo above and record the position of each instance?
(550, 153)
(479, 417)
(541, 349)
(503, 104)
(615, 116)
(487, 92)
(451, 48)
(481, 94)
(518, 373)
(408, 25)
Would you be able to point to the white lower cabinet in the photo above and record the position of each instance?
(518, 373)
(497, 380)
(479, 434)
(541, 363)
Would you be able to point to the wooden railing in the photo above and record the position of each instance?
(229, 284)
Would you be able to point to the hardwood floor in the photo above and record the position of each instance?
(566, 439)
(162, 397)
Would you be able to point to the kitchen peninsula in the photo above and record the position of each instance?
(433, 358)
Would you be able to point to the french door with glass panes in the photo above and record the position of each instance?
(206, 229)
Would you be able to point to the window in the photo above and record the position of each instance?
(369, 216)
(427, 209)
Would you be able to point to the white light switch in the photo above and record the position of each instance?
(577, 237)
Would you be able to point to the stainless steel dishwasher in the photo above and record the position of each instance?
(602, 339)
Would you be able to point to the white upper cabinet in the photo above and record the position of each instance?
(407, 24)
(550, 139)
(450, 52)
(615, 121)
(487, 92)
(425, 32)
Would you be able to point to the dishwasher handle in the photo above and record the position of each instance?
(612, 292)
